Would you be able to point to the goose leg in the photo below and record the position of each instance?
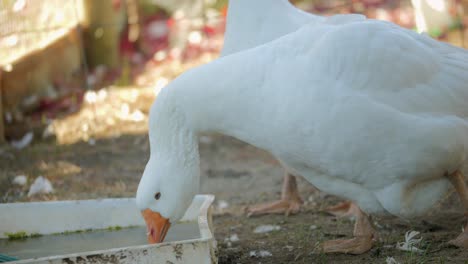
(458, 182)
(290, 202)
(344, 209)
(364, 236)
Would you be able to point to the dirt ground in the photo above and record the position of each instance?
(101, 152)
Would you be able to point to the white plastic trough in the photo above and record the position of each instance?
(65, 216)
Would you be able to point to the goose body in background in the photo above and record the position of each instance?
(365, 110)
(253, 23)
(250, 24)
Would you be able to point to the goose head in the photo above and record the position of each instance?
(171, 176)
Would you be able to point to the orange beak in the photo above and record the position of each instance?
(156, 225)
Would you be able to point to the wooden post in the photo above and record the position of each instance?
(102, 23)
(463, 12)
(2, 124)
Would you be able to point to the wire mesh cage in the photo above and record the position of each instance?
(52, 51)
(27, 25)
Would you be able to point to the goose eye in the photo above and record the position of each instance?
(157, 196)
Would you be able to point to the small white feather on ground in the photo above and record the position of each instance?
(234, 238)
(20, 180)
(410, 242)
(391, 260)
(23, 142)
(223, 204)
(260, 254)
(266, 229)
(40, 186)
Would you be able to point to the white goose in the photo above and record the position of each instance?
(366, 110)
